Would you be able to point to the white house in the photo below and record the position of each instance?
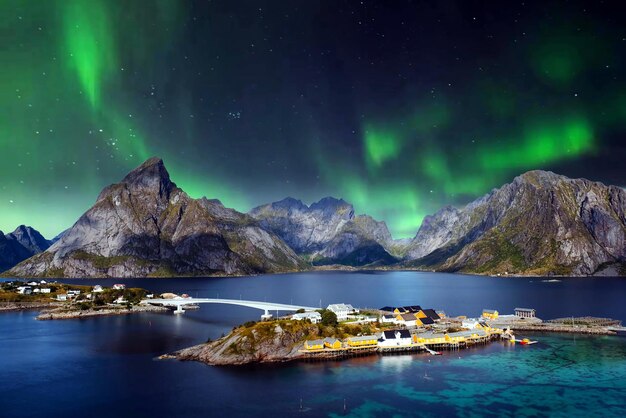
(119, 286)
(395, 338)
(120, 300)
(73, 292)
(408, 320)
(314, 317)
(45, 290)
(470, 323)
(62, 297)
(43, 282)
(24, 290)
(97, 289)
(388, 319)
(342, 310)
(32, 283)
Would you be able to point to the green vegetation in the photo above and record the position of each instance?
(329, 318)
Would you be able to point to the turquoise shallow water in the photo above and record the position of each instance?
(563, 375)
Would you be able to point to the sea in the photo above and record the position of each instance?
(108, 366)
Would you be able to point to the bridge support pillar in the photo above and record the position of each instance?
(179, 310)
(267, 316)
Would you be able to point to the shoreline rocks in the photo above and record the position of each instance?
(72, 314)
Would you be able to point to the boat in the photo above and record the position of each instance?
(525, 341)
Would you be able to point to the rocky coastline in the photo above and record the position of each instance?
(64, 313)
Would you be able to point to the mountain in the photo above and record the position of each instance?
(328, 231)
(147, 226)
(19, 245)
(29, 238)
(539, 224)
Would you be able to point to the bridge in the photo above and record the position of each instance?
(264, 306)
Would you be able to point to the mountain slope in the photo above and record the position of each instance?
(146, 226)
(327, 232)
(541, 223)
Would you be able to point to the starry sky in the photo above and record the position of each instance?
(398, 107)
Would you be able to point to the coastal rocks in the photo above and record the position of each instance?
(146, 226)
(328, 232)
(64, 313)
(265, 342)
(539, 224)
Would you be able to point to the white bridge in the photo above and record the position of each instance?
(264, 306)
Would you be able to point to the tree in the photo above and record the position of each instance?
(329, 318)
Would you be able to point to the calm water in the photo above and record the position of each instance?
(104, 366)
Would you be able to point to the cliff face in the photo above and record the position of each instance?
(541, 223)
(20, 244)
(327, 232)
(146, 226)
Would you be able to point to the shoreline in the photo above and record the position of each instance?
(322, 268)
(74, 314)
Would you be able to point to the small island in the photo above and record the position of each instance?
(64, 301)
(320, 336)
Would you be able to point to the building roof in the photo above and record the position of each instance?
(408, 317)
(525, 309)
(431, 314)
(404, 333)
(340, 307)
(430, 335)
(388, 308)
(315, 342)
(412, 308)
(490, 311)
(364, 338)
(306, 315)
(330, 340)
(427, 321)
(389, 316)
(391, 335)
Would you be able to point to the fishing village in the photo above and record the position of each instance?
(413, 329)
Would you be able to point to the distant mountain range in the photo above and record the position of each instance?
(539, 224)
(328, 232)
(19, 245)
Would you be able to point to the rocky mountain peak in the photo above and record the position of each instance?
(152, 174)
(29, 238)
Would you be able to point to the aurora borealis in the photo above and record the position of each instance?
(399, 108)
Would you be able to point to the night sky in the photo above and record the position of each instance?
(398, 107)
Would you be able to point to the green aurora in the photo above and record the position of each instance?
(250, 103)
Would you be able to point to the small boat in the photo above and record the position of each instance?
(525, 341)
(435, 353)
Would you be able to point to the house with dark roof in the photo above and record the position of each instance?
(430, 313)
(390, 318)
(425, 321)
(394, 338)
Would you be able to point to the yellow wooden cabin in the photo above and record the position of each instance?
(332, 343)
(314, 345)
(362, 341)
(430, 338)
(490, 314)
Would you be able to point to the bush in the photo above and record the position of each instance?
(329, 318)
